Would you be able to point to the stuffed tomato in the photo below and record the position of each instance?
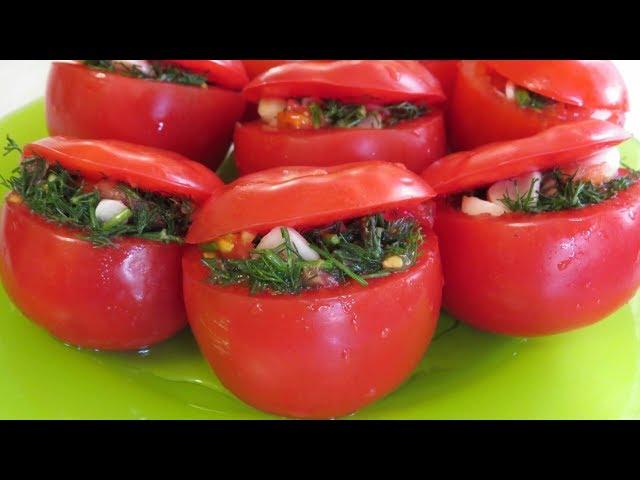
(314, 291)
(509, 99)
(539, 235)
(91, 239)
(330, 113)
(186, 106)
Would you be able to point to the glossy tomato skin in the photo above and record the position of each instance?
(415, 143)
(445, 71)
(529, 275)
(320, 354)
(195, 122)
(257, 67)
(478, 114)
(120, 298)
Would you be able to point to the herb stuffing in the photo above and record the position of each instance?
(561, 191)
(346, 115)
(66, 199)
(356, 250)
(159, 72)
(528, 99)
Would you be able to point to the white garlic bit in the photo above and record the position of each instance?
(274, 239)
(269, 108)
(107, 209)
(477, 206)
(510, 90)
(515, 187)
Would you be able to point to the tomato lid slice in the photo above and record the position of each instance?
(226, 73)
(493, 162)
(307, 196)
(357, 81)
(147, 168)
(585, 83)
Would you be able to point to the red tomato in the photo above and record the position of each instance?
(195, 122)
(415, 143)
(307, 196)
(320, 354)
(327, 352)
(558, 145)
(127, 297)
(540, 274)
(536, 274)
(445, 71)
(481, 114)
(356, 81)
(226, 73)
(123, 297)
(146, 168)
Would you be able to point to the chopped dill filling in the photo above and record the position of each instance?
(561, 191)
(528, 99)
(64, 198)
(158, 71)
(355, 250)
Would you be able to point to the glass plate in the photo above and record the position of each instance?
(591, 373)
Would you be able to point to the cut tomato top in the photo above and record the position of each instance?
(307, 196)
(147, 168)
(355, 81)
(226, 73)
(490, 163)
(585, 83)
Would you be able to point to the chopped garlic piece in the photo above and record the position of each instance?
(269, 108)
(515, 187)
(477, 206)
(274, 239)
(107, 209)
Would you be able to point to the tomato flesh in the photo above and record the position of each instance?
(320, 354)
(120, 298)
(195, 122)
(479, 114)
(540, 274)
(415, 143)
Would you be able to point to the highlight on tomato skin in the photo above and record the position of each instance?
(91, 239)
(545, 242)
(333, 112)
(156, 104)
(303, 297)
(505, 100)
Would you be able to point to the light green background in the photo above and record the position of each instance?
(590, 373)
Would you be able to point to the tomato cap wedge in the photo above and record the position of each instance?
(147, 168)
(357, 81)
(225, 73)
(490, 163)
(305, 196)
(584, 83)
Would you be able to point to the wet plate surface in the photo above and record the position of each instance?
(590, 373)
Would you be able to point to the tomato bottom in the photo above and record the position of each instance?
(528, 275)
(111, 298)
(320, 354)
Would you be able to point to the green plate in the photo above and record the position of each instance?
(590, 373)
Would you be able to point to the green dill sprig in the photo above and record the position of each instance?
(404, 111)
(354, 251)
(567, 193)
(528, 99)
(11, 146)
(160, 72)
(62, 198)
